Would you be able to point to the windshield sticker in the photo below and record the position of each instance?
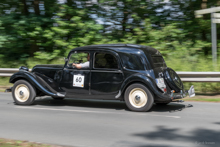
(78, 80)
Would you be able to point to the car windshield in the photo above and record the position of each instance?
(158, 61)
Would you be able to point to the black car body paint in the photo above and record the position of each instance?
(102, 83)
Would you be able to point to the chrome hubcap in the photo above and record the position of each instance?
(137, 99)
(21, 92)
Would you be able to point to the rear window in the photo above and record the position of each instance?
(158, 61)
(132, 61)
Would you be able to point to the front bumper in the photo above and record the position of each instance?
(8, 90)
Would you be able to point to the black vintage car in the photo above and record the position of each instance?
(135, 74)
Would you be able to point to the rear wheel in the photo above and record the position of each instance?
(138, 98)
(23, 93)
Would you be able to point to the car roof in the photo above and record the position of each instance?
(128, 48)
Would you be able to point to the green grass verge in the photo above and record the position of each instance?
(4, 82)
(208, 99)
(18, 143)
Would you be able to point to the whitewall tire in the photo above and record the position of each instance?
(23, 93)
(138, 98)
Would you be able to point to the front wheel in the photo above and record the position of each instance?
(23, 93)
(138, 98)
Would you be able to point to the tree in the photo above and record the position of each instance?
(19, 23)
(73, 28)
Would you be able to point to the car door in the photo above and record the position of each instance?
(106, 75)
(75, 81)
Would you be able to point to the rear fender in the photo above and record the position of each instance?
(36, 82)
(148, 82)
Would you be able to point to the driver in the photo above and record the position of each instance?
(83, 65)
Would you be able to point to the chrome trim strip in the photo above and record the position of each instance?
(74, 69)
(117, 71)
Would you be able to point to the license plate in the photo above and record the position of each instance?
(160, 82)
(191, 91)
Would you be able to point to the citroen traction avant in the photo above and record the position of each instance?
(132, 73)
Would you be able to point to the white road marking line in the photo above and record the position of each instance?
(162, 115)
(86, 111)
(169, 116)
(62, 110)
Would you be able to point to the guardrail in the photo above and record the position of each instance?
(199, 76)
(7, 72)
(185, 76)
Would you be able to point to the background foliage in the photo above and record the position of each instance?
(44, 31)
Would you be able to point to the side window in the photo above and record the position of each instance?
(132, 61)
(105, 60)
(79, 58)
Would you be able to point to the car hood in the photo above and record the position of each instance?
(47, 67)
(47, 70)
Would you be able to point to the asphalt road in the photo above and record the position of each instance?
(93, 123)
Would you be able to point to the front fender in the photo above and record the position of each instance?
(148, 82)
(32, 78)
